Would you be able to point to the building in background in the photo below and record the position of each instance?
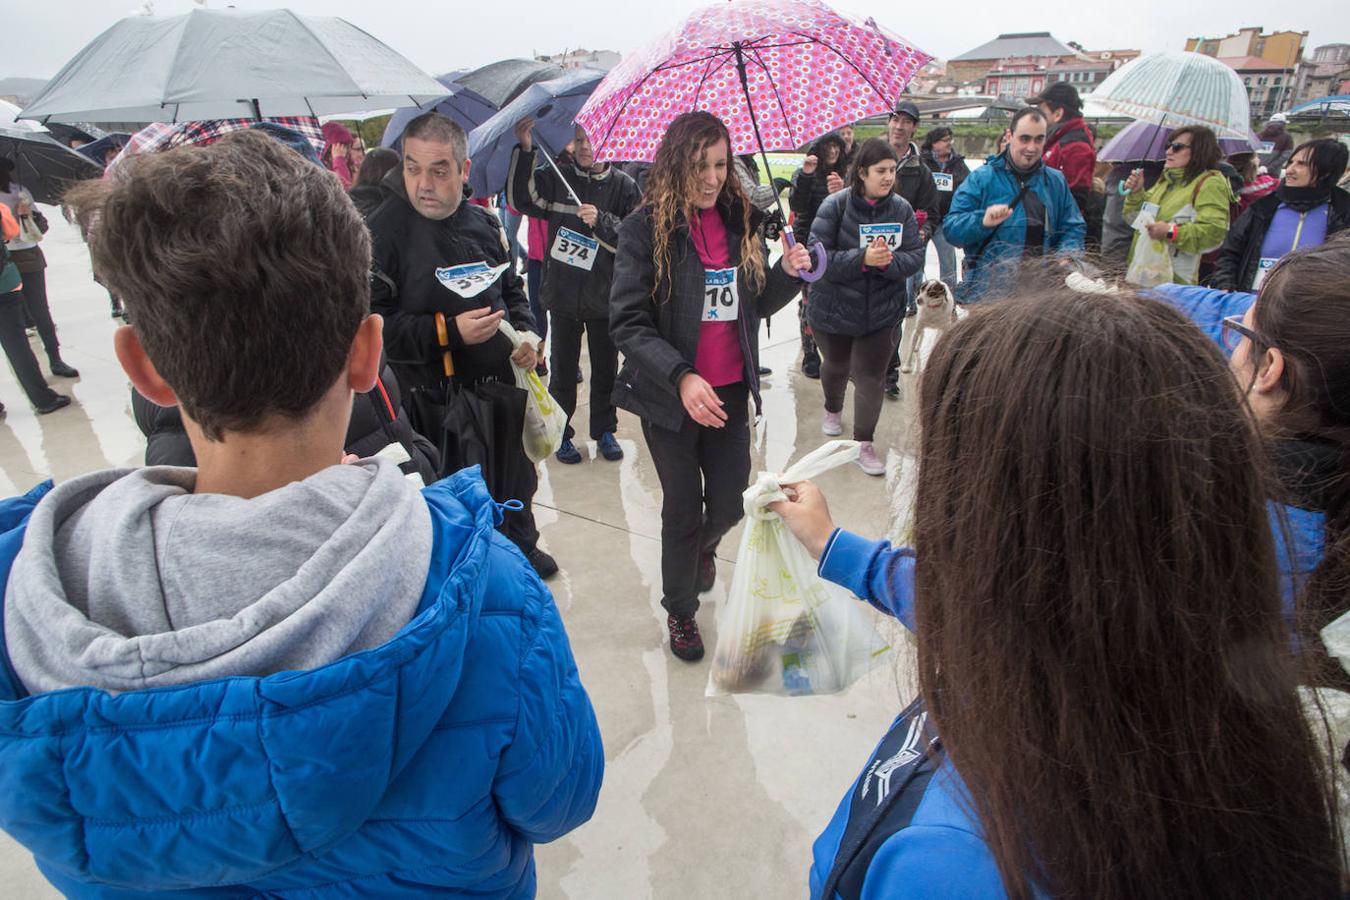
(1019, 65)
(1284, 48)
(1324, 74)
(582, 59)
(1270, 86)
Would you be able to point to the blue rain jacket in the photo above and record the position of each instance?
(427, 766)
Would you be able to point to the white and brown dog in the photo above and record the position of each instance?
(937, 310)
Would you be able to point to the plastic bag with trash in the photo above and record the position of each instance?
(784, 629)
(545, 420)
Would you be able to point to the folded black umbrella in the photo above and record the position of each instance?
(478, 425)
(44, 167)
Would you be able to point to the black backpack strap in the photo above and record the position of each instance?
(974, 258)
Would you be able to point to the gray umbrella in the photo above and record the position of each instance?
(501, 82)
(230, 64)
(42, 165)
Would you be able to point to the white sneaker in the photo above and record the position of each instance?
(868, 461)
(833, 423)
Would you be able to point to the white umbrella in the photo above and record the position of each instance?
(228, 64)
(9, 118)
(1177, 88)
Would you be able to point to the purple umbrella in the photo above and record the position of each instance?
(1140, 141)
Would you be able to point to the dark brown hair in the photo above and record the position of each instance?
(1304, 312)
(671, 183)
(1098, 612)
(377, 164)
(1326, 157)
(1205, 151)
(873, 151)
(245, 270)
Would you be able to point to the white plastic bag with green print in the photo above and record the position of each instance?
(545, 420)
(784, 629)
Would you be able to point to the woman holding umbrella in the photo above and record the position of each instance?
(691, 284)
(1187, 209)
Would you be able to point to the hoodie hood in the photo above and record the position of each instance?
(227, 780)
(128, 580)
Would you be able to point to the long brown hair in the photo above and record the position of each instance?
(1304, 312)
(1098, 610)
(1205, 151)
(671, 185)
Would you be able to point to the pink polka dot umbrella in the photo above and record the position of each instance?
(779, 73)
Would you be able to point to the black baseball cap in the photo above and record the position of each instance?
(1058, 93)
(906, 108)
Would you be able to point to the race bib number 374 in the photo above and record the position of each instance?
(574, 249)
(721, 301)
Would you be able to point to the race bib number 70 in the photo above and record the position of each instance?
(721, 301)
(470, 279)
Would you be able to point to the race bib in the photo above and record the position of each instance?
(470, 279)
(943, 180)
(574, 249)
(891, 231)
(1263, 268)
(1267, 146)
(721, 300)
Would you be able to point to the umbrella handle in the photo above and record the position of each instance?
(818, 257)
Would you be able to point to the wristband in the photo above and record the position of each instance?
(1172, 234)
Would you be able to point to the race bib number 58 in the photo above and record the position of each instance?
(721, 302)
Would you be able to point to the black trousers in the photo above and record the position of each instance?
(35, 299)
(564, 359)
(703, 473)
(20, 355)
(809, 349)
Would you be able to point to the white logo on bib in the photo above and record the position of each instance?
(574, 249)
(721, 300)
(470, 279)
(1263, 268)
(890, 231)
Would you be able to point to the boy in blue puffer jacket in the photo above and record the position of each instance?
(273, 674)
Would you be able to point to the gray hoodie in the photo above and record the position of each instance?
(128, 580)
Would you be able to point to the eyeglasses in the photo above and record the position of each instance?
(1234, 331)
(1177, 146)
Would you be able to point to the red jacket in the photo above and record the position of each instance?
(1075, 157)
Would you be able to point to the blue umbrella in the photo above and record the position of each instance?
(464, 106)
(552, 104)
(1323, 106)
(95, 151)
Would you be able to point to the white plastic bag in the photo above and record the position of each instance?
(784, 629)
(1151, 264)
(545, 420)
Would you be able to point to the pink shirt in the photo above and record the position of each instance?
(719, 359)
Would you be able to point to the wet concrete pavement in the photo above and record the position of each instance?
(703, 797)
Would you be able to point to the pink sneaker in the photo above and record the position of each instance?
(868, 461)
(833, 423)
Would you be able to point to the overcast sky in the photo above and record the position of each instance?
(442, 35)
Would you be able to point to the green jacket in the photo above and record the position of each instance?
(1209, 193)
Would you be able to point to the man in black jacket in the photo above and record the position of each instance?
(578, 270)
(914, 182)
(443, 280)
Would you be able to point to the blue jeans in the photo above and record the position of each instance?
(949, 272)
(511, 222)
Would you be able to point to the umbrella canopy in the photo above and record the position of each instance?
(501, 82)
(1176, 89)
(1141, 141)
(43, 166)
(9, 118)
(1323, 106)
(552, 104)
(158, 136)
(99, 148)
(797, 67)
(225, 64)
(464, 106)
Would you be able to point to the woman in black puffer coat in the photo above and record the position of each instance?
(874, 245)
(824, 171)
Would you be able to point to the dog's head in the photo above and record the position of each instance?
(935, 293)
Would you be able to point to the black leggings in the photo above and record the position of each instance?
(863, 359)
(21, 359)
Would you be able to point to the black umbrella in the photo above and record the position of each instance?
(44, 167)
(501, 82)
